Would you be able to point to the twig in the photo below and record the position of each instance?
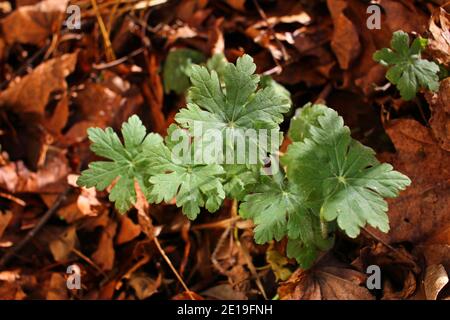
(270, 27)
(163, 253)
(8, 196)
(108, 46)
(323, 95)
(14, 250)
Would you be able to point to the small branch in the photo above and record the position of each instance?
(108, 46)
(272, 31)
(163, 253)
(43, 220)
(323, 95)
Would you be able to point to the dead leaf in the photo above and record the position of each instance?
(105, 253)
(424, 207)
(440, 113)
(128, 230)
(62, 247)
(32, 92)
(436, 278)
(32, 24)
(98, 104)
(236, 4)
(57, 289)
(144, 286)
(327, 280)
(5, 218)
(17, 178)
(439, 27)
(223, 292)
(278, 263)
(345, 42)
(398, 267)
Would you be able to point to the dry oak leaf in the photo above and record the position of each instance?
(345, 42)
(32, 92)
(105, 254)
(63, 245)
(424, 207)
(439, 27)
(15, 177)
(32, 24)
(327, 280)
(5, 218)
(57, 287)
(440, 113)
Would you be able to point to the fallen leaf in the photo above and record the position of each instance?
(327, 280)
(17, 178)
(223, 292)
(105, 253)
(62, 247)
(144, 286)
(424, 207)
(439, 27)
(398, 267)
(436, 278)
(57, 288)
(32, 24)
(5, 218)
(345, 42)
(440, 113)
(32, 92)
(128, 230)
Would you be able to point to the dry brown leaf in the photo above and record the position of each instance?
(128, 230)
(327, 280)
(403, 15)
(32, 92)
(144, 286)
(62, 247)
(424, 207)
(398, 268)
(223, 292)
(436, 278)
(34, 23)
(439, 27)
(440, 113)
(345, 42)
(236, 4)
(17, 178)
(57, 288)
(105, 253)
(98, 104)
(5, 218)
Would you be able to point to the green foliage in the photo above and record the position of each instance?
(407, 70)
(342, 177)
(176, 69)
(328, 180)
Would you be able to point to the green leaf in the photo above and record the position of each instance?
(342, 176)
(269, 206)
(407, 70)
(175, 176)
(234, 108)
(176, 69)
(127, 163)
